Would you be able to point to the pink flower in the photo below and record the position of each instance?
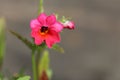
(46, 29)
(69, 25)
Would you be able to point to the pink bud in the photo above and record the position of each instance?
(69, 25)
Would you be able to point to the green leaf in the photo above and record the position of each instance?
(24, 78)
(2, 40)
(58, 48)
(64, 19)
(24, 40)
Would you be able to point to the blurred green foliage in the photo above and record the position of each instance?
(24, 78)
(2, 40)
(58, 48)
(16, 76)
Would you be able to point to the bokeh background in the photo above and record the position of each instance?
(92, 50)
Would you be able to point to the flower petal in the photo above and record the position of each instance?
(52, 38)
(34, 23)
(42, 19)
(38, 40)
(34, 33)
(51, 19)
(57, 27)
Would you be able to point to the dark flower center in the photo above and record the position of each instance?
(44, 29)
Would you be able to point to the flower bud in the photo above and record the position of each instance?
(69, 25)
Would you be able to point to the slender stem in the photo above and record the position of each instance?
(34, 66)
(41, 10)
(1, 64)
(37, 62)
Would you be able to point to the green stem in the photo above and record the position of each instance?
(1, 61)
(34, 66)
(37, 63)
(41, 10)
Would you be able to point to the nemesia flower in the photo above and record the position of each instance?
(46, 29)
(69, 24)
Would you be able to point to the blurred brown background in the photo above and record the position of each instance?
(92, 49)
